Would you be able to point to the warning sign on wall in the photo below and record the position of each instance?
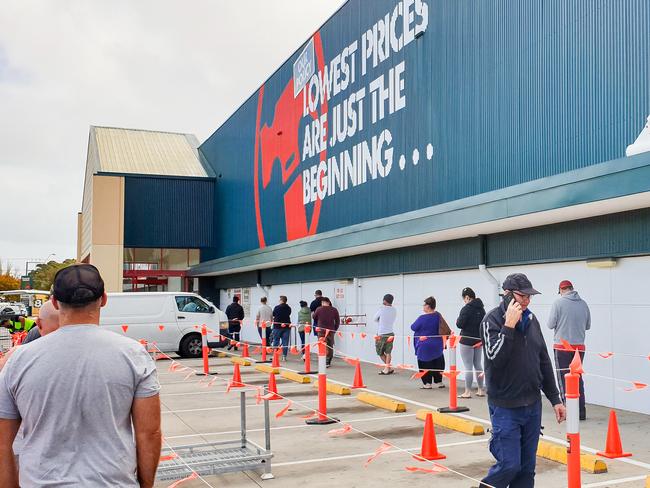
(339, 293)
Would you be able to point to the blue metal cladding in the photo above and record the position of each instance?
(504, 91)
(168, 212)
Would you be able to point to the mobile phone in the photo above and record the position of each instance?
(507, 299)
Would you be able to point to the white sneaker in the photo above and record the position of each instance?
(303, 357)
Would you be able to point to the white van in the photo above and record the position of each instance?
(165, 318)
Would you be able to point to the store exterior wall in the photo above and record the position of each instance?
(616, 297)
(473, 100)
(108, 229)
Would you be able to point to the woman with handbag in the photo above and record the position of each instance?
(428, 330)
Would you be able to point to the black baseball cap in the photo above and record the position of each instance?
(78, 284)
(519, 282)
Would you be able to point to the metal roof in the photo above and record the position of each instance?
(116, 150)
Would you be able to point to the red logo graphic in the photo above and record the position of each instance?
(279, 144)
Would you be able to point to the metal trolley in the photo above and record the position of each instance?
(221, 457)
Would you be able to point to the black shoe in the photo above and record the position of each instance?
(583, 416)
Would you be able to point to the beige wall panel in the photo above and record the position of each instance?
(108, 210)
(109, 261)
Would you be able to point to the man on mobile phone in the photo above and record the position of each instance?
(517, 367)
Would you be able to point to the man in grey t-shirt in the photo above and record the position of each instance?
(86, 399)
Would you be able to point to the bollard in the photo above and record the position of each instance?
(264, 359)
(322, 418)
(307, 351)
(452, 374)
(572, 381)
(205, 351)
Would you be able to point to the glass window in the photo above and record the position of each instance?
(191, 304)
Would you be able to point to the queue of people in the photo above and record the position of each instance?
(504, 349)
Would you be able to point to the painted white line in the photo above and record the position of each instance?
(487, 422)
(206, 391)
(248, 405)
(619, 481)
(367, 454)
(288, 427)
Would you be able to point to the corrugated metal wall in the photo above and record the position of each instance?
(617, 235)
(168, 212)
(506, 91)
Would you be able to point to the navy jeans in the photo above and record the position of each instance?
(515, 434)
(281, 335)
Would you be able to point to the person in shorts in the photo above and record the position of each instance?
(385, 318)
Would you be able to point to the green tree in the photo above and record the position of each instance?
(43, 274)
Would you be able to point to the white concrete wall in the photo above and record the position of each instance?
(618, 298)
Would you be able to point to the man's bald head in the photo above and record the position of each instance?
(48, 318)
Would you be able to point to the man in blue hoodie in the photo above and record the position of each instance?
(569, 319)
(517, 367)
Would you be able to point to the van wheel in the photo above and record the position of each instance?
(191, 346)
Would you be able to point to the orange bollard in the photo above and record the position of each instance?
(236, 381)
(264, 344)
(205, 352)
(452, 374)
(613, 446)
(244, 352)
(572, 388)
(272, 388)
(276, 358)
(429, 451)
(322, 418)
(307, 351)
(358, 378)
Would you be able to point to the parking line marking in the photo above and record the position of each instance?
(366, 454)
(247, 405)
(254, 390)
(287, 427)
(615, 482)
(487, 422)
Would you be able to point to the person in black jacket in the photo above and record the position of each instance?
(235, 314)
(470, 348)
(517, 366)
(313, 306)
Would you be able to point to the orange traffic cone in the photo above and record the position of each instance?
(236, 378)
(613, 447)
(358, 379)
(244, 352)
(429, 450)
(273, 388)
(276, 358)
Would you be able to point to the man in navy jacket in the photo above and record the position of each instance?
(517, 367)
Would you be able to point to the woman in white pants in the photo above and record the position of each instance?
(470, 347)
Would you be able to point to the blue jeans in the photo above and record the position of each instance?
(281, 335)
(301, 334)
(515, 434)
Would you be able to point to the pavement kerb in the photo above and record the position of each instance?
(336, 388)
(381, 402)
(298, 378)
(241, 361)
(452, 422)
(553, 452)
(265, 368)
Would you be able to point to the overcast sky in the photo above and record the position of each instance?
(180, 66)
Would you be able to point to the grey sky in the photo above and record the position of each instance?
(151, 64)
